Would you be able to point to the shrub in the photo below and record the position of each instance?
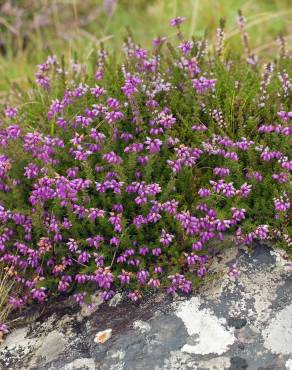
(121, 175)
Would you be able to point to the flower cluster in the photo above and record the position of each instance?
(129, 181)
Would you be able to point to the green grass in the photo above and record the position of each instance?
(73, 27)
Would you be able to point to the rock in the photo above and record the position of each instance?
(210, 332)
(278, 334)
(236, 322)
(52, 346)
(142, 326)
(238, 363)
(242, 323)
(80, 363)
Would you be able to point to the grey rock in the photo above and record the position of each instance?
(237, 322)
(238, 363)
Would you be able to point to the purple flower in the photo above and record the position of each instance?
(39, 294)
(115, 220)
(262, 232)
(79, 298)
(199, 128)
(202, 85)
(142, 276)
(192, 259)
(197, 246)
(281, 177)
(177, 21)
(11, 112)
(83, 257)
(238, 214)
(221, 171)
(153, 145)
(115, 241)
(134, 296)
(201, 271)
(281, 204)
(156, 252)
(72, 245)
(255, 175)
(95, 213)
(113, 158)
(143, 251)
(154, 283)
(107, 295)
(97, 91)
(125, 278)
(3, 328)
(179, 282)
(244, 190)
(131, 85)
(287, 165)
(204, 193)
(95, 241)
(31, 171)
(166, 238)
(186, 47)
(158, 41)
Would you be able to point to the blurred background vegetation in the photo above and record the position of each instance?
(30, 29)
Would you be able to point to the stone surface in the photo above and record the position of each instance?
(231, 324)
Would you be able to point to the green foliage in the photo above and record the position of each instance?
(243, 99)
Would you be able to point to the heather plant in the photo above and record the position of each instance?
(121, 175)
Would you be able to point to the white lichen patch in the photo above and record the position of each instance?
(281, 258)
(142, 326)
(115, 300)
(118, 356)
(210, 332)
(48, 341)
(52, 346)
(80, 363)
(278, 335)
(178, 360)
(217, 363)
(18, 344)
(289, 364)
(17, 337)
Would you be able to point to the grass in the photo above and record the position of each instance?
(72, 27)
(6, 285)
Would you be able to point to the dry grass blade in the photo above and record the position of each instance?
(8, 26)
(270, 45)
(6, 284)
(194, 17)
(261, 18)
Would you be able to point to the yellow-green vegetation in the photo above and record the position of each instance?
(30, 29)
